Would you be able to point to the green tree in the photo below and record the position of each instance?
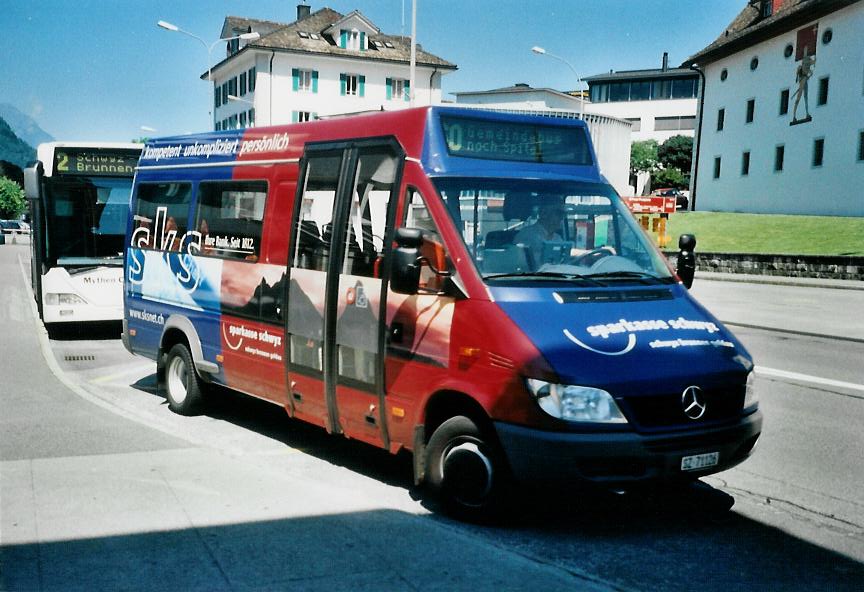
(676, 153)
(643, 157)
(12, 202)
(670, 177)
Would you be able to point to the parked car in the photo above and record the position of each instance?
(682, 201)
(14, 227)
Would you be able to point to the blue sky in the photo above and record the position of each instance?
(101, 69)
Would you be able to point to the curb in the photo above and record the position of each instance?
(776, 280)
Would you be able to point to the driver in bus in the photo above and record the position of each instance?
(545, 229)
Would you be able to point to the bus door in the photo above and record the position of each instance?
(335, 300)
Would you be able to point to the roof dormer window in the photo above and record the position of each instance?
(352, 39)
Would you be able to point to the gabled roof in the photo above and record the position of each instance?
(515, 89)
(346, 21)
(749, 28)
(297, 37)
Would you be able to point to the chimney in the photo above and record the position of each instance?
(665, 60)
(303, 10)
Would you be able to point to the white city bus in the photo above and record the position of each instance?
(79, 202)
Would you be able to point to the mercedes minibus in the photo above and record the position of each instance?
(458, 283)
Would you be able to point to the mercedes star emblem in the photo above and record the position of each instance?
(693, 402)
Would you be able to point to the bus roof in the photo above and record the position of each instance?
(454, 141)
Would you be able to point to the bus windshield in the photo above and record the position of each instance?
(550, 230)
(86, 219)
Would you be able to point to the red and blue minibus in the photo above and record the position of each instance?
(458, 283)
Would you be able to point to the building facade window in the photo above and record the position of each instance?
(242, 83)
(243, 119)
(721, 119)
(751, 110)
(745, 163)
(250, 78)
(823, 91)
(635, 124)
(818, 151)
(649, 89)
(716, 167)
(684, 122)
(398, 89)
(352, 85)
(784, 101)
(779, 154)
(304, 80)
(861, 146)
(301, 116)
(252, 117)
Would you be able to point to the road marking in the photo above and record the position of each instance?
(127, 372)
(762, 370)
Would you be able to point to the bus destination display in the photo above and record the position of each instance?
(513, 141)
(95, 162)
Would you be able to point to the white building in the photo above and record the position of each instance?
(660, 103)
(611, 136)
(324, 63)
(765, 147)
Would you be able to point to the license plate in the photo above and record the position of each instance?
(699, 461)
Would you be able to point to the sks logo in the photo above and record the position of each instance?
(177, 252)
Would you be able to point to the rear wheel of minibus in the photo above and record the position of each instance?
(466, 470)
(184, 387)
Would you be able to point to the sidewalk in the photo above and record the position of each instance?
(802, 306)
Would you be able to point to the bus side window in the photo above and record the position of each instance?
(364, 248)
(416, 215)
(315, 222)
(229, 218)
(168, 202)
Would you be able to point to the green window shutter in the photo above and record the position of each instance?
(314, 115)
(343, 39)
(362, 85)
(294, 117)
(407, 92)
(295, 75)
(342, 84)
(389, 88)
(362, 41)
(315, 81)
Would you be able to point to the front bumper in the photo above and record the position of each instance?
(622, 458)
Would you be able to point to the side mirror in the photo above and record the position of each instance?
(686, 259)
(405, 278)
(31, 180)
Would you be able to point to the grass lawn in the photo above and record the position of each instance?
(724, 232)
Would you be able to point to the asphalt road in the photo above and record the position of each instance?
(103, 488)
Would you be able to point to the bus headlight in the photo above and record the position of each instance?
(751, 398)
(55, 299)
(575, 403)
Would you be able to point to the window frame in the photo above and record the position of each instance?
(200, 193)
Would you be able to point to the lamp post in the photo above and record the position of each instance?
(245, 36)
(540, 51)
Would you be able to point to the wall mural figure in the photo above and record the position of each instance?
(802, 76)
(805, 55)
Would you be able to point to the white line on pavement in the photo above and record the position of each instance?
(762, 370)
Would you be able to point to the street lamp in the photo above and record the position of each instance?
(540, 51)
(239, 100)
(244, 36)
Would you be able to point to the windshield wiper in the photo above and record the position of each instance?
(641, 275)
(551, 275)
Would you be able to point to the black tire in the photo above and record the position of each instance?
(183, 386)
(465, 470)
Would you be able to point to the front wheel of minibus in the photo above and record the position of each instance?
(466, 470)
(183, 386)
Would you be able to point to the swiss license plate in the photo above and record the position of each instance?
(699, 461)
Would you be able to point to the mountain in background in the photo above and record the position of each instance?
(12, 148)
(24, 126)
